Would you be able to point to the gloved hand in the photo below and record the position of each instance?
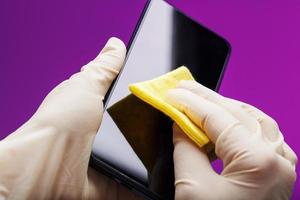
(258, 164)
(47, 158)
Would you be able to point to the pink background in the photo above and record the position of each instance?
(44, 42)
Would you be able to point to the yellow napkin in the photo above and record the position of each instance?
(153, 92)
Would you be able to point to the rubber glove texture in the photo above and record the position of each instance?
(47, 157)
(258, 164)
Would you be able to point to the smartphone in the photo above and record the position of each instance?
(164, 39)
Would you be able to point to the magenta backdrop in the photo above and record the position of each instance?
(44, 42)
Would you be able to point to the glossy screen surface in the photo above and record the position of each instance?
(133, 137)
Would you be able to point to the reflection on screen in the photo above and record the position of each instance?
(135, 138)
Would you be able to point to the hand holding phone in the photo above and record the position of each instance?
(52, 149)
(48, 157)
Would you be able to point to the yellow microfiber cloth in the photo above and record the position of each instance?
(153, 92)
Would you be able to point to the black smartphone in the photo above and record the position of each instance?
(163, 40)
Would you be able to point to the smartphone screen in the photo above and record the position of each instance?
(134, 139)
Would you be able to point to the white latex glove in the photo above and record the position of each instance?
(47, 158)
(258, 164)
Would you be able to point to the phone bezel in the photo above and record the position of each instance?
(111, 171)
